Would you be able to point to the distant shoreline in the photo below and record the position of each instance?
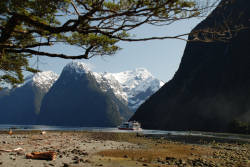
(194, 137)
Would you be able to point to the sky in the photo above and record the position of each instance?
(160, 57)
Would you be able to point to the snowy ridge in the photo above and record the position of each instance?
(137, 80)
(44, 80)
(111, 84)
(134, 83)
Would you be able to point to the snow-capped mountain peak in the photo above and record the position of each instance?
(78, 67)
(137, 80)
(132, 87)
(44, 80)
(129, 77)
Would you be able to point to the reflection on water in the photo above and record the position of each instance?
(113, 129)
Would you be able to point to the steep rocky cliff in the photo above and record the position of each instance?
(211, 88)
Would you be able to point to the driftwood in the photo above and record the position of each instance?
(50, 155)
(14, 150)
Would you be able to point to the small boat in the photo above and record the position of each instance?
(131, 125)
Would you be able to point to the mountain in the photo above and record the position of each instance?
(211, 88)
(132, 87)
(77, 99)
(109, 98)
(22, 104)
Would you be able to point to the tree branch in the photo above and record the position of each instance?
(9, 28)
(83, 56)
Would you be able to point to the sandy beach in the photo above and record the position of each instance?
(87, 149)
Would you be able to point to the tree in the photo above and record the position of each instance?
(95, 26)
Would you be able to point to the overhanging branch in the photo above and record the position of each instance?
(40, 53)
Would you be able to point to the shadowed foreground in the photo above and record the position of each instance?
(120, 149)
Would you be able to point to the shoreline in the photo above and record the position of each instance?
(110, 149)
(181, 136)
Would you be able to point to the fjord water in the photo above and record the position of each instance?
(227, 136)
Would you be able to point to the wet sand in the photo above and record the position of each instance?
(87, 149)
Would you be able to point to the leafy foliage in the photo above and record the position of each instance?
(95, 26)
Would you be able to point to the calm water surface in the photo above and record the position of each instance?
(113, 129)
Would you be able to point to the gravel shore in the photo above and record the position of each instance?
(78, 149)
